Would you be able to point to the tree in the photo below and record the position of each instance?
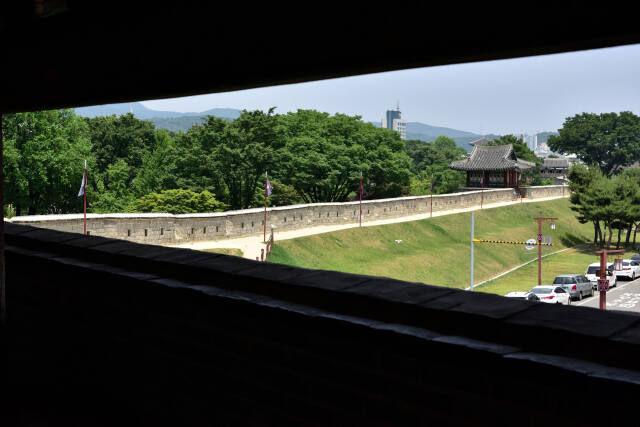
(633, 174)
(433, 160)
(44, 153)
(243, 152)
(120, 137)
(158, 168)
(177, 202)
(609, 203)
(581, 183)
(282, 195)
(323, 156)
(608, 140)
(441, 152)
(118, 195)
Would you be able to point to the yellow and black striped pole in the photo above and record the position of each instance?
(511, 242)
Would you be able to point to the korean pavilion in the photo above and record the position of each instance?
(498, 164)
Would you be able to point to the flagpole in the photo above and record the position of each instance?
(265, 207)
(431, 207)
(482, 191)
(85, 197)
(360, 198)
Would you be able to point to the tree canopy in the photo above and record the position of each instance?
(608, 140)
(44, 155)
(323, 156)
(177, 202)
(609, 203)
(310, 156)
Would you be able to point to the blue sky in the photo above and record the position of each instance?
(509, 96)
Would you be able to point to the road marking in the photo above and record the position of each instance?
(595, 293)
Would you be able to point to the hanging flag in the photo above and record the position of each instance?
(84, 181)
(269, 188)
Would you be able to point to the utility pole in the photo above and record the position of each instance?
(540, 220)
(482, 191)
(603, 283)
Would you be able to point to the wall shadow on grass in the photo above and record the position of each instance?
(570, 239)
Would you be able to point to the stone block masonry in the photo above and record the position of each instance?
(167, 229)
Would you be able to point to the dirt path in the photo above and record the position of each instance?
(252, 245)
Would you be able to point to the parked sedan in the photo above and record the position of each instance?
(577, 285)
(591, 275)
(630, 269)
(523, 295)
(552, 294)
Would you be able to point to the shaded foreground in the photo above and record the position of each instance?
(104, 331)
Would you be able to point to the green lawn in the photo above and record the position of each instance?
(435, 251)
(225, 251)
(573, 261)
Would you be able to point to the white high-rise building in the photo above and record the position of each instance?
(393, 121)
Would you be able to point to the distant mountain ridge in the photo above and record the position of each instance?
(145, 113)
(178, 121)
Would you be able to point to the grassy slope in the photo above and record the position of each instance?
(435, 251)
(573, 261)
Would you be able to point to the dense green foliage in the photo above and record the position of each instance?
(323, 156)
(607, 203)
(310, 157)
(43, 161)
(431, 161)
(177, 202)
(608, 140)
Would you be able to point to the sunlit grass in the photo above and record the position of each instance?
(436, 251)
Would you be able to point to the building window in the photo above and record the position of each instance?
(162, 231)
(128, 233)
(145, 232)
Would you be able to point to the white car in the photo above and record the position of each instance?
(591, 275)
(523, 295)
(552, 294)
(630, 269)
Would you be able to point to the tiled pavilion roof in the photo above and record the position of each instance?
(492, 158)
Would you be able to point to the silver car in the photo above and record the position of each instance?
(577, 285)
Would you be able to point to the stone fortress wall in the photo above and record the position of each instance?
(167, 229)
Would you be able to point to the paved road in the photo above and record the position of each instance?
(625, 297)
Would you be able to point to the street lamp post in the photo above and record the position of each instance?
(540, 220)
